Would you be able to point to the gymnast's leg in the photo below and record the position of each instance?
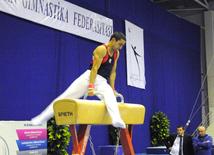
(111, 104)
(76, 90)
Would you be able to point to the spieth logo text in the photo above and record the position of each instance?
(65, 114)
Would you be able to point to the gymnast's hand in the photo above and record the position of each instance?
(115, 93)
(91, 92)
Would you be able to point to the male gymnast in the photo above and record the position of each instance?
(103, 67)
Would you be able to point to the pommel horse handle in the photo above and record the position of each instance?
(121, 97)
(102, 97)
(98, 94)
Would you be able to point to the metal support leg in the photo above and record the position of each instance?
(126, 140)
(80, 138)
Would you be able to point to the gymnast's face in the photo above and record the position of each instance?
(180, 131)
(117, 45)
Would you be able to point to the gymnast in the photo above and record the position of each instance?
(103, 66)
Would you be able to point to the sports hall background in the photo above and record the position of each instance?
(38, 63)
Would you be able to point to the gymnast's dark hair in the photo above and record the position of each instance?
(180, 126)
(118, 36)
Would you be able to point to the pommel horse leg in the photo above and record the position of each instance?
(126, 140)
(80, 139)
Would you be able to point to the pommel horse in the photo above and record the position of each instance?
(85, 113)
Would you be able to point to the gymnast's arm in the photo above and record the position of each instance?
(99, 54)
(113, 74)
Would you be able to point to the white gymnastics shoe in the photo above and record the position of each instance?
(119, 124)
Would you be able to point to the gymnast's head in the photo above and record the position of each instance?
(118, 36)
(117, 40)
